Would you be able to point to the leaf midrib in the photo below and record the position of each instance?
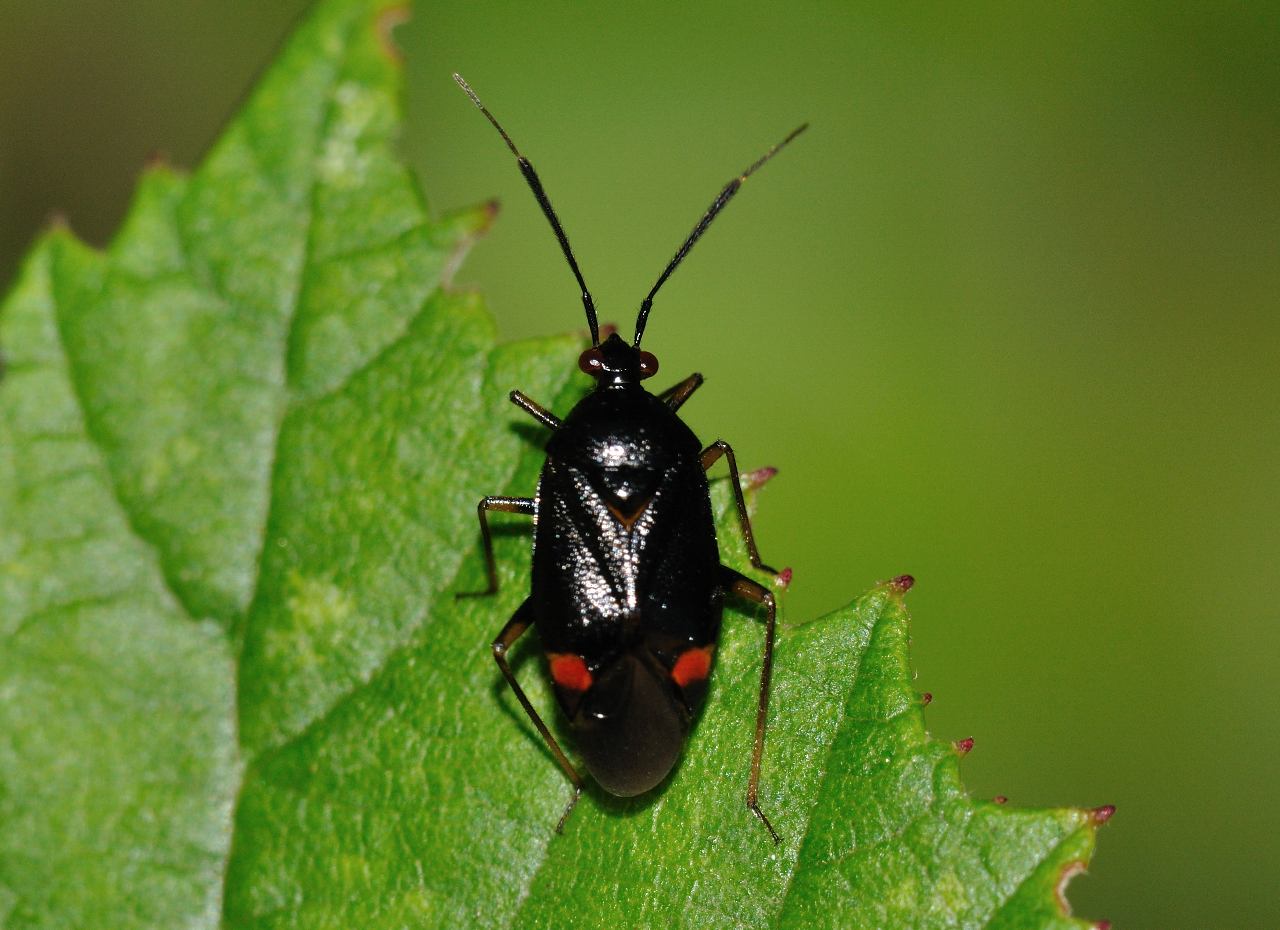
(820, 783)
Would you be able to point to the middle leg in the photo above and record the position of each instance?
(523, 505)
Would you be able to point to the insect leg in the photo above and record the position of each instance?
(709, 457)
(515, 627)
(506, 505)
(677, 394)
(536, 410)
(745, 588)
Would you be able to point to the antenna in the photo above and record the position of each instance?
(725, 195)
(535, 185)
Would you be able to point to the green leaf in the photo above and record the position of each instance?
(239, 458)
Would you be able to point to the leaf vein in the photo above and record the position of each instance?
(102, 458)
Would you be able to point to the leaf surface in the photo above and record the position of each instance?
(240, 452)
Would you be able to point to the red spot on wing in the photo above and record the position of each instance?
(693, 665)
(569, 671)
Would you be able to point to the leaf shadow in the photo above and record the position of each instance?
(531, 434)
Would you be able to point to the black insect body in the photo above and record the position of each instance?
(627, 588)
(626, 580)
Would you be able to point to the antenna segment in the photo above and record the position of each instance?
(535, 184)
(725, 195)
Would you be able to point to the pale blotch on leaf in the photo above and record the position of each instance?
(318, 609)
(904, 896)
(950, 896)
(341, 162)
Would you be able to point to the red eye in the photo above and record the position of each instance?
(591, 361)
(648, 365)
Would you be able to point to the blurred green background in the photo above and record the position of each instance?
(1005, 318)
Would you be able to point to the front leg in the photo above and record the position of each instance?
(535, 410)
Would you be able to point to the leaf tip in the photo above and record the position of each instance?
(902, 584)
(57, 231)
(388, 18)
(1101, 815)
(926, 698)
(1000, 799)
(1102, 925)
(757, 479)
(156, 160)
(783, 578)
(963, 746)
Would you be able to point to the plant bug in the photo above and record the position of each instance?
(627, 586)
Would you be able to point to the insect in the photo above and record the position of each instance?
(627, 586)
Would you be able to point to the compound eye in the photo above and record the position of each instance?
(648, 365)
(591, 361)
